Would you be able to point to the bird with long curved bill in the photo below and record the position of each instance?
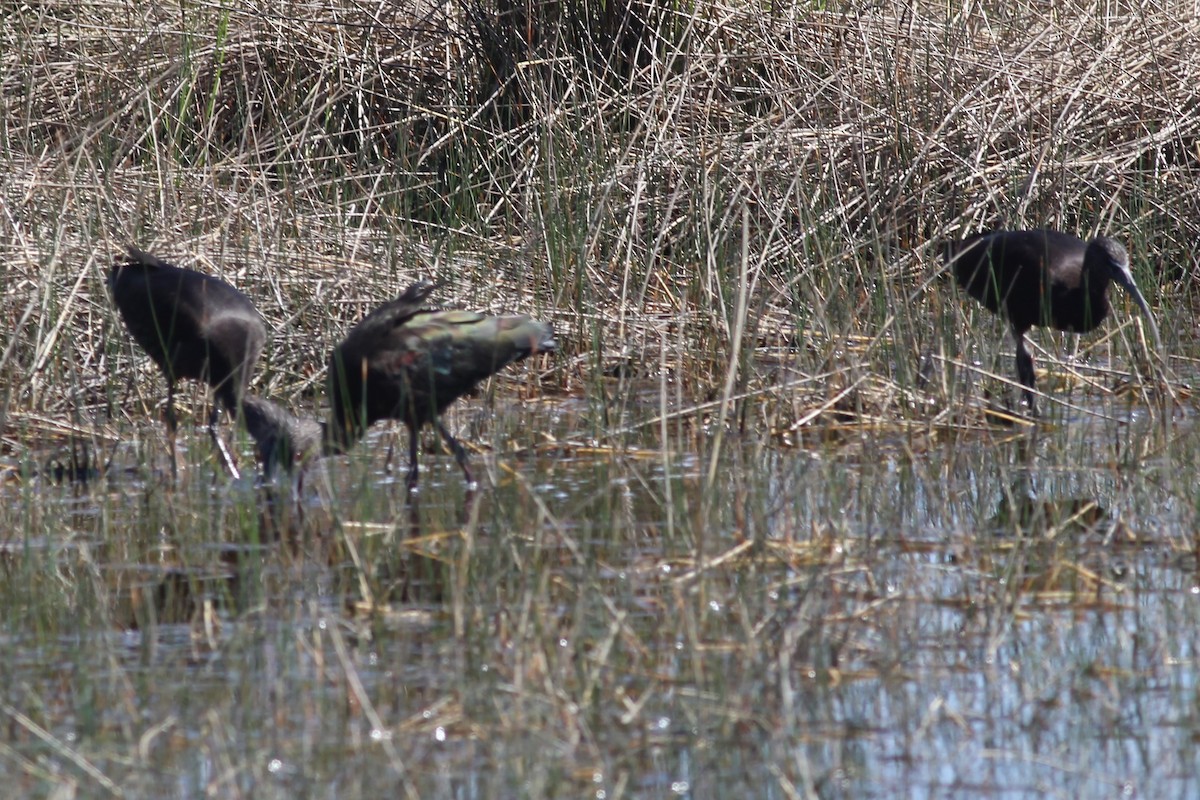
(409, 362)
(405, 361)
(192, 326)
(1043, 278)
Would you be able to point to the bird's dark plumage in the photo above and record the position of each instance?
(408, 362)
(1043, 278)
(282, 439)
(192, 326)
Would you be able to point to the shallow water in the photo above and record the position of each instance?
(917, 613)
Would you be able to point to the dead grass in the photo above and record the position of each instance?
(677, 188)
(726, 208)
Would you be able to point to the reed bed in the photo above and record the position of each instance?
(688, 189)
(733, 541)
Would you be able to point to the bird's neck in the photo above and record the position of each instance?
(1094, 286)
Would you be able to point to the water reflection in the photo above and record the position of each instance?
(1023, 510)
(887, 613)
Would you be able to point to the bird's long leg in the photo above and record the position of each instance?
(227, 459)
(460, 455)
(172, 429)
(413, 470)
(1025, 371)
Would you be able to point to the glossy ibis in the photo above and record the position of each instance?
(192, 326)
(1043, 278)
(408, 362)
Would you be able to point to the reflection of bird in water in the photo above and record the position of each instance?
(1058, 546)
(1022, 511)
(192, 326)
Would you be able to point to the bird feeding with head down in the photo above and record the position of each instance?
(405, 361)
(409, 362)
(192, 326)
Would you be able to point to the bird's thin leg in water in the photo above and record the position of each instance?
(172, 430)
(1025, 369)
(227, 458)
(460, 455)
(413, 470)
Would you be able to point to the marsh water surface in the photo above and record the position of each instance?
(919, 613)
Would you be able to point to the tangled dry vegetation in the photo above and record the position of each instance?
(739, 196)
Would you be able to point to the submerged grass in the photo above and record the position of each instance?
(846, 622)
(758, 529)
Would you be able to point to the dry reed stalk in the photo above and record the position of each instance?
(597, 167)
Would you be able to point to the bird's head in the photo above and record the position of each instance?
(1112, 259)
(282, 439)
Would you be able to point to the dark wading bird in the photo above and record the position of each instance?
(192, 326)
(402, 361)
(408, 362)
(1043, 278)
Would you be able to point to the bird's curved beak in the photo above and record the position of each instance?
(1123, 276)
